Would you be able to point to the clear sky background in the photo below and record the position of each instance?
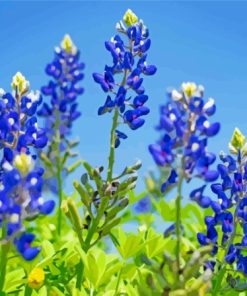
(205, 42)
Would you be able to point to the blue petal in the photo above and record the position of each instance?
(47, 207)
(31, 253)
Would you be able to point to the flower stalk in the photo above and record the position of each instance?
(112, 145)
(178, 221)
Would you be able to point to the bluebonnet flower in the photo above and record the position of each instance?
(229, 221)
(127, 96)
(20, 179)
(61, 111)
(185, 129)
(143, 205)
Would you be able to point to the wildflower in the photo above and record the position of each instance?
(185, 129)
(20, 178)
(229, 207)
(129, 60)
(65, 71)
(61, 111)
(36, 278)
(143, 205)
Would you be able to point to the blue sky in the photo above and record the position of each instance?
(203, 42)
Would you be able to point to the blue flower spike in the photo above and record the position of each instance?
(229, 207)
(20, 178)
(60, 112)
(185, 129)
(129, 59)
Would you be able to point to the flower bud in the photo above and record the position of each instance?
(238, 139)
(132, 169)
(24, 163)
(130, 18)
(74, 213)
(64, 207)
(189, 88)
(20, 83)
(150, 184)
(68, 45)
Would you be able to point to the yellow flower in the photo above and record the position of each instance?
(68, 45)
(238, 139)
(36, 278)
(24, 163)
(20, 83)
(189, 88)
(130, 18)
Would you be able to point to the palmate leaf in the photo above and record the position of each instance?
(155, 244)
(133, 198)
(14, 279)
(165, 209)
(129, 244)
(98, 266)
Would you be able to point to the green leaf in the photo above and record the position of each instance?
(135, 198)
(155, 244)
(13, 279)
(132, 245)
(47, 249)
(165, 209)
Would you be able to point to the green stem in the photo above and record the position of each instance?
(90, 233)
(58, 172)
(60, 196)
(178, 223)
(5, 246)
(118, 281)
(111, 158)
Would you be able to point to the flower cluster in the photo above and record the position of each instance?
(20, 180)
(230, 207)
(63, 89)
(65, 71)
(185, 127)
(129, 61)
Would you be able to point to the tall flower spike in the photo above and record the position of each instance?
(127, 95)
(185, 129)
(60, 113)
(229, 221)
(107, 196)
(20, 178)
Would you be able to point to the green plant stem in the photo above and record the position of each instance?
(230, 242)
(58, 172)
(60, 196)
(111, 158)
(178, 222)
(91, 231)
(118, 281)
(5, 246)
